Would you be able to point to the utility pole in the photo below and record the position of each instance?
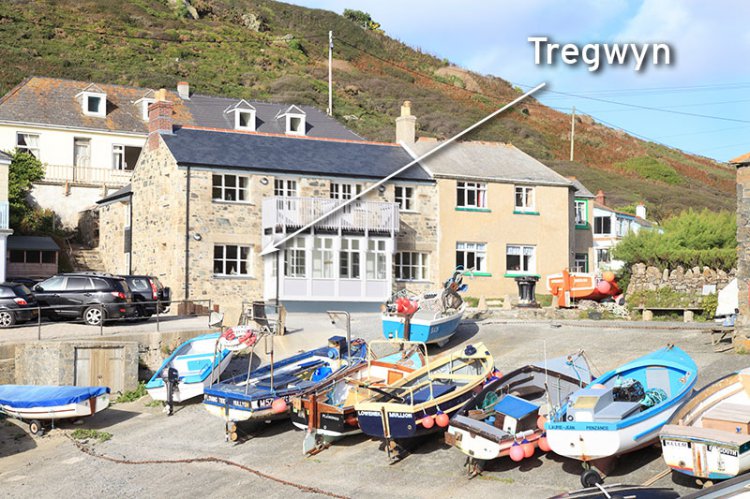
(330, 73)
(572, 132)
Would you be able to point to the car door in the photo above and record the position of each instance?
(75, 296)
(48, 293)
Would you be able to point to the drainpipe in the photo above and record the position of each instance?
(187, 234)
(130, 218)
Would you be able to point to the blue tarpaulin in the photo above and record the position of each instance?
(515, 407)
(26, 396)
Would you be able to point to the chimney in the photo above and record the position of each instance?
(406, 125)
(600, 197)
(159, 119)
(640, 211)
(183, 90)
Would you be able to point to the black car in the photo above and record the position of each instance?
(90, 296)
(17, 304)
(148, 292)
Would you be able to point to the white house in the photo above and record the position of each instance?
(5, 231)
(610, 226)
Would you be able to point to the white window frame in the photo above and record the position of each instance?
(101, 112)
(584, 220)
(145, 102)
(525, 192)
(285, 187)
(238, 119)
(34, 151)
(295, 258)
(376, 260)
(121, 155)
(479, 251)
(476, 189)
(350, 260)
(345, 190)
(603, 217)
(302, 124)
(522, 253)
(238, 260)
(606, 252)
(323, 258)
(405, 197)
(224, 189)
(577, 267)
(416, 265)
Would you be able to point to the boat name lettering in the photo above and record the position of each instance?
(596, 427)
(240, 403)
(723, 450)
(400, 415)
(676, 443)
(328, 416)
(372, 414)
(214, 399)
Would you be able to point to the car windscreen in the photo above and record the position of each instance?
(7, 292)
(21, 290)
(139, 284)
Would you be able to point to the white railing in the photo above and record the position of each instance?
(4, 215)
(284, 213)
(86, 175)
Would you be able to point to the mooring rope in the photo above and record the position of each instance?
(207, 459)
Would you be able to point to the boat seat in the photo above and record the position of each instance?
(424, 394)
(617, 411)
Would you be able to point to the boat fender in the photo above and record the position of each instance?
(470, 350)
(516, 452)
(528, 448)
(428, 422)
(442, 419)
(544, 444)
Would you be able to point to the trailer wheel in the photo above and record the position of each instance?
(590, 478)
(36, 428)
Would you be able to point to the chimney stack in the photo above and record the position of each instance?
(160, 118)
(640, 211)
(600, 197)
(406, 125)
(183, 90)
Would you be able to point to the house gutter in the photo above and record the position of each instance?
(187, 234)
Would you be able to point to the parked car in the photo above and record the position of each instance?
(29, 282)
(91, 296)
(17, 304)
(147, 292)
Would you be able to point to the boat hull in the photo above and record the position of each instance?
(81, 409)
(704, 458)
(485, 449)
(421, 330)
(188, 390)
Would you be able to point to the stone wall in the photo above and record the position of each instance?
(743, 247)
(650, 278)
(111, 236)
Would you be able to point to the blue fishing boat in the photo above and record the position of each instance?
(265, 393)
(432, 317)
(622, 410)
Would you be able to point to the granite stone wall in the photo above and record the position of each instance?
(649, 278)
(111, 237)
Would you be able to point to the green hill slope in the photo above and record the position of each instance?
(266, 50)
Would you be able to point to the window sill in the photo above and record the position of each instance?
(521, 274)
(466, 208)
(520, 212)
(233, 277)
(478, 274)
(407, 212)
(415, 281)
(583, 226)
(243, 203)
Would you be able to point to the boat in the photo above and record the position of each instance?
(423, 401)
(620, 490)
(431, 317)
(506, 413)
(38, 405)
(265, 393)
(708, 436)
(326, 411)
(736, 487)
(568, 286)
(199, 362)
(621, 410)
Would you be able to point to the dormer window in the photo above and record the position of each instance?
(144, 107)
(93, 101)
(294, 120)
(244, 115)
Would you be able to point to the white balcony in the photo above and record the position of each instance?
(281, 214)
(79, 175)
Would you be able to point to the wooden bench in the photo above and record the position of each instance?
(719, 334)
(688, 313)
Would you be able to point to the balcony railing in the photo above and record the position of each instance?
(284, 213)
(86, 175)
(4, 215)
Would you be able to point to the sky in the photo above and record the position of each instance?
(709, 74)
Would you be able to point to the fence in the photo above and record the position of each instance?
(86, 175)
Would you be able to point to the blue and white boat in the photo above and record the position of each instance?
(35, 404)
(265, 392)
(622, 410)
(428, 318)
(199, 363)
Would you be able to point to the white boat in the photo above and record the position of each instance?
(708, 435)
(199, 363)
(622, 410)
(51, 403)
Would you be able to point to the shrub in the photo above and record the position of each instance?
(362, 19)
(132, 395)
(652, 169)
(86, 434)
(25, 169)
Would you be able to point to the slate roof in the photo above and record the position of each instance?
(489, 161)
(581, 191)
(741, 160)
(115, 196)
(52, 101)
(283, 154)
(5, 158)
(41, 243)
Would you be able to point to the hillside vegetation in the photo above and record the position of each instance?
(266, 50)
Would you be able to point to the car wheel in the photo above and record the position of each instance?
(7, 318)
(93, 316)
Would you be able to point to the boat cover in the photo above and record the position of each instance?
(26, 396)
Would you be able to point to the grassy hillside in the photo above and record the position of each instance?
(261, 49)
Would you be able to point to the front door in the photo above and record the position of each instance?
(100, 367)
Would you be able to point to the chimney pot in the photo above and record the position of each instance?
(160, 118)
(640, 211)
(183, 90)
(600, 197)
(406, 125)
(406, 108)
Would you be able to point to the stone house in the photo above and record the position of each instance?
(205, 202)
(89, 136)
(610, 226)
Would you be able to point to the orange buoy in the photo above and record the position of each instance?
(609, 276)
(540, 422)
(428, 422)
(544, 444)
(528, 448)
(442, 420)
(516, 452)
(603, 287)
(278, 406)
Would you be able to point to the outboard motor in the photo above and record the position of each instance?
(170, 376)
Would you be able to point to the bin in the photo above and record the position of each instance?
(526, 291)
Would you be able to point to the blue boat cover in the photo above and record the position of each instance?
(515, 407)
(26, 396)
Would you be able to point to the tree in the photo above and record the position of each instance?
(363, 19)
(25, 169)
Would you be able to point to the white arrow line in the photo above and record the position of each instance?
(274, 246)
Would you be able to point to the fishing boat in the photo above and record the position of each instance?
(432, 317)
(46, 404)
(569, 286)
(423, 401)
(708, 437)
(264, 393)
(326, 411)
(504, 418)
(198, 362)
(622, 410)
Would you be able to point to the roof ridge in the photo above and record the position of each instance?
(283, 135)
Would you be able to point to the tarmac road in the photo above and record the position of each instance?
(52, 466)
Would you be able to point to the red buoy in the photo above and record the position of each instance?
(278, 406)
(516, 452)
(442, 420)
(528, 448)
(428, 422)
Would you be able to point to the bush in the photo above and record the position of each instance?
(132, 395)
(652, 169)
(362, 19)
(25, 169)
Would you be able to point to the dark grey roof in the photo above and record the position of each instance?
(5, 158)
(43, 243)
(491, 161)
(209, 112)
(282, 154)
(581, 191)
(115, 196)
